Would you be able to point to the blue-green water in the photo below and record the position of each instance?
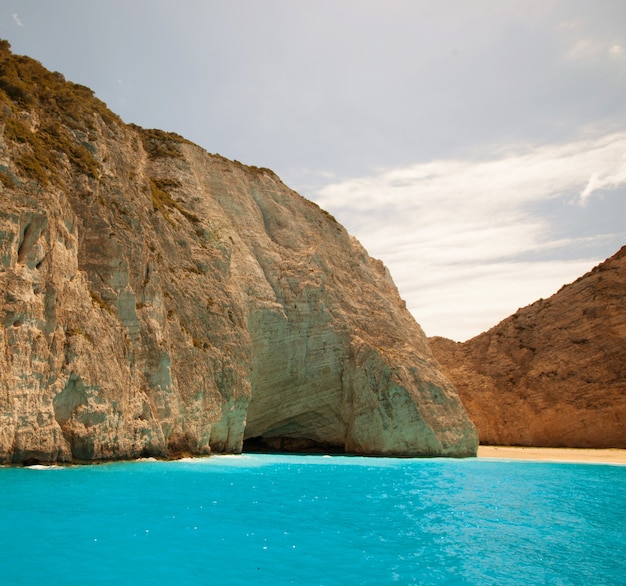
(264, 519)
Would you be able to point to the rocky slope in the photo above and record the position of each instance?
(157, 300)
(554, 373)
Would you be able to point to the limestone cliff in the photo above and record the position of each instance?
(157, 300)
(554, 373)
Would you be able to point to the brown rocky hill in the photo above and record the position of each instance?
(157, 300)
(554, 373)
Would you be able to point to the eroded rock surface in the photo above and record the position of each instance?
(157, 300)
(554, 373)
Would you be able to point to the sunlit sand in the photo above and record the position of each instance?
(604, 456)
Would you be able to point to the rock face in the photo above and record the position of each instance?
(554, 373)
(157, 300)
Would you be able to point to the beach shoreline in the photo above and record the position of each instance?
(586, 455)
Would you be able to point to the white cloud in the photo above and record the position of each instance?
(17, 19)
(617, 51)
(609, 175)
(453, 232)
(461, 301)
(584, 41)
(588, 49)
(534, 173)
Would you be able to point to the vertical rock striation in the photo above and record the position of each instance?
(554, 373)
(157, 300)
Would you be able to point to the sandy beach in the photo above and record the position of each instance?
(608, 456)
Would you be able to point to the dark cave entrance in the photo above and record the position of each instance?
(289, 445)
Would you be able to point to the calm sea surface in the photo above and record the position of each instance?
(274, 519)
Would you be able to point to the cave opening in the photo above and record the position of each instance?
(289, 445)
(28, 462)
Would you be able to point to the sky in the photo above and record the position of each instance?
(477, 147)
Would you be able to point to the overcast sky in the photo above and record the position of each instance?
(477, 147)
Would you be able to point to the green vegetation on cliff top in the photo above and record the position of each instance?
(47, 117)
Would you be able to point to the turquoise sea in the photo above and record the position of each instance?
(314, 520)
